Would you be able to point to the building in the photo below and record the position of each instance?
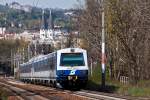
(16, 5)
(2, 30)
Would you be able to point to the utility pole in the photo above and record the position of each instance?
(61, 40)
(28, 51)
(103, 45)
(35, 48)
(14, 58)
(91, 67)
(11, 62)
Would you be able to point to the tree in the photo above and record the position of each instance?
(90, 25)
(7, 51)
(127, 36)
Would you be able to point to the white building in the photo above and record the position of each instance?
(46, 34)
(2, 30)
(53, 36)
(15, 5)
(27, 8)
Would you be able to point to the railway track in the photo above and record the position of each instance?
(38, 92)
(96, 96)
(22, 94)
(80, 94)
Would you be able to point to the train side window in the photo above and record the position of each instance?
(43, 64)
(39, 68)
(26, 68)
(40, 65)
(53, 62)
(46, 64)
(36, 65)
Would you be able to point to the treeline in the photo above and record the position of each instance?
(127, 35)
(7, 49)
(9, 46)
(14, 52)
(18, 20)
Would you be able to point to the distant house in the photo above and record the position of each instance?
(2, 30)
(27, 8)
(16, 5)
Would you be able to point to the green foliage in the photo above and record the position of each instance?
(3, 94)
(142, 89)
(7, 49)
(96, 77)
(137, 91)
(9, 16)
(30, 20)
(8, 46)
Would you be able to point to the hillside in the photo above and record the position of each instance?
(16, 20)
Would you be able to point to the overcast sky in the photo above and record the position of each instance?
(46, 3)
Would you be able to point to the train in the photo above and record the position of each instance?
(67, 67)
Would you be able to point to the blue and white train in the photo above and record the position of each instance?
(68, 67)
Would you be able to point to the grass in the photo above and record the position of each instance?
(94, 82)
(142, 89)
(3, 94)
(135, 91)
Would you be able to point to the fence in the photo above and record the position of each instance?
(124, 79)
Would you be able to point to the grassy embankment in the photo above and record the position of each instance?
(142, 89)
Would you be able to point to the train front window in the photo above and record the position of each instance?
(72, 59)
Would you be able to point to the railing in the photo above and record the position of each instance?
(124, 79)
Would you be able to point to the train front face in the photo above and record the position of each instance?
(72, 68)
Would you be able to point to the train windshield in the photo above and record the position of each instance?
(72, 59)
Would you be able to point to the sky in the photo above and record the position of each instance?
(65, 4)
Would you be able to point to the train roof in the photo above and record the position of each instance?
(72, 50)
(36, 58)
(41, 57)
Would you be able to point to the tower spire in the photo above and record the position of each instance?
(50, 19)
(42, 25)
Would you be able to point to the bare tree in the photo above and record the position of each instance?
(90, 25)
(127, 36)
(128, 31)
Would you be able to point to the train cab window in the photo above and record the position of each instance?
(72, 59)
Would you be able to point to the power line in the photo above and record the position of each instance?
(33, 2)
(37, 3)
